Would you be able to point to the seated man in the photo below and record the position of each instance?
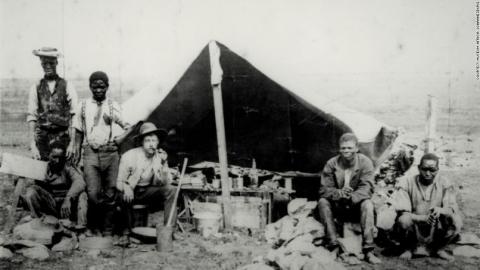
(346, 189)
(428, 212)
(61, 193)
(144, 176)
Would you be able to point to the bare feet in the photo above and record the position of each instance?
(406, 255)
(442, 254)
(371, 258)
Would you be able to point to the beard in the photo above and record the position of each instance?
(426, 182)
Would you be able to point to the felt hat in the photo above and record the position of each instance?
(48, 52)
(149, 128)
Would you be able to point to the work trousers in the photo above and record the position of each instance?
(345, 211)
(412, 234)
(100, 171)
(41, 202)
(154, 197)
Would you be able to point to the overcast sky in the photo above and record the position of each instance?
(365, 41)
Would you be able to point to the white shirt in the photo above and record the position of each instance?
(32, 108)
(136, 169)
(100, 134)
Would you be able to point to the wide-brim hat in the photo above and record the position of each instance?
(149, 128)
(300, 207)
(47, 52)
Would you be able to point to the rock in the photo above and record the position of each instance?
(467, 251)
(313, 264)
(66, 244)
(5, 253)
(94, 253)
(468, 239)
(19, 244)
(37, 252)
(255, 266)
(35, 230)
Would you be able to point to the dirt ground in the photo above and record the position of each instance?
(458, 145)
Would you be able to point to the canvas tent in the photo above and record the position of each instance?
(282, 126)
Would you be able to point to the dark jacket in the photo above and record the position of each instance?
(333, 177)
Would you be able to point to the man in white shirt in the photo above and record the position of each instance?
(144, 176)
(94, 122)
(51, 105)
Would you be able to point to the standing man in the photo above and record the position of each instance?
(144, 176)
(428, 211)
(94, 124)
(51, 105)
(62, 193)
(345, 189)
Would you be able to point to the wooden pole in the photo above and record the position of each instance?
(431, 125)
(216, 81)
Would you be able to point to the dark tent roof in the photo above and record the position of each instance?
(281, 128)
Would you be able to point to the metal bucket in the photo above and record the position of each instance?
(164, 238)
(207, 223)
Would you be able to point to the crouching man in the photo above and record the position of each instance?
(429, 217)
(144, 176)
(346, 189)
(62, 193)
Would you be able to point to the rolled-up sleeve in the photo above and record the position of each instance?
(77, 118)
(32, 108)
(327, 181)
(118, 116)
(78, 183)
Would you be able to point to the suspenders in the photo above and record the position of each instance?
(84, 126)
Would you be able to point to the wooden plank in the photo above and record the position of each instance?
(16, 195)
(23, 166)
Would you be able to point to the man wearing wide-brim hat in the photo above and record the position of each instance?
(143, 176)
(51, 105)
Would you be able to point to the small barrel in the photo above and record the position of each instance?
(140, 215)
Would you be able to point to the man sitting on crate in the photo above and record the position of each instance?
(429, 217)
(144, 177)
(62, 193)
(345, 192)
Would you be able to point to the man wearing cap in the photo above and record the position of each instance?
(51, 104)
(429, 217)
(345, 190)
(96, 123)
(144, 176)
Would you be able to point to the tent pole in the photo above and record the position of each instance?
(216, 80)
(431, 124)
